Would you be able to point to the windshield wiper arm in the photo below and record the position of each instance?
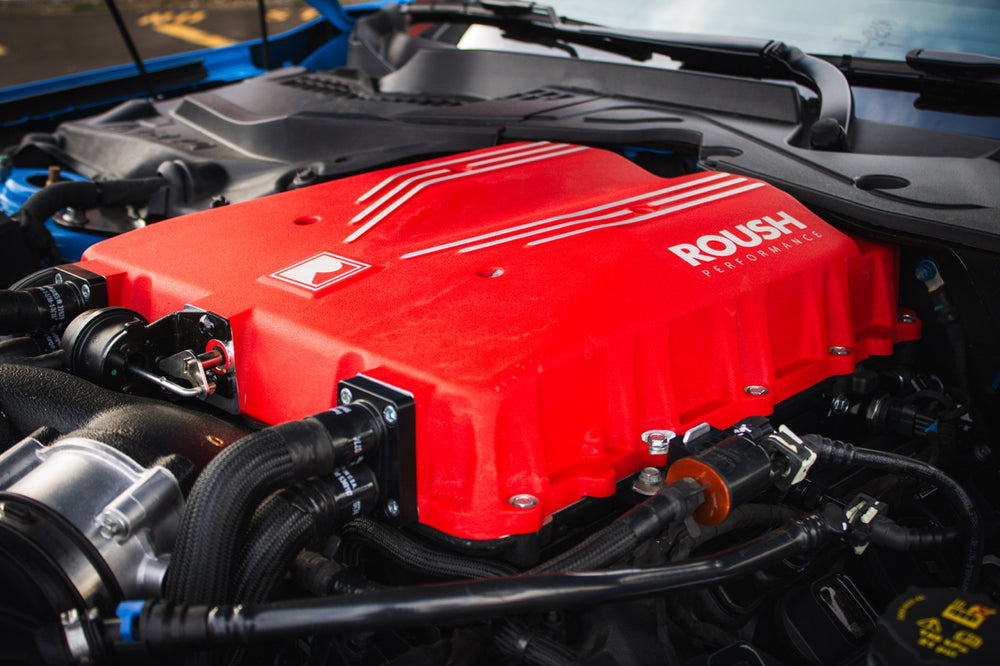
(760, 58)
(953, 63)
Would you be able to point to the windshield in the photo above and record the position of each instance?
(883, 29)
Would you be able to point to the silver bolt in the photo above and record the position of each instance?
(112, 526)
(206, 326)
(392, 508)
(650, 476)
(58, 279)
(840, 404)
(346, 396)
(85, 291)
(658, 441)
(756, 390)
(523, 501)
(907, 318)
(648, 481)
(837, 350)
(389, 414)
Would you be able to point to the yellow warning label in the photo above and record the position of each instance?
(905, 607)
(967, 616)
(931, 624)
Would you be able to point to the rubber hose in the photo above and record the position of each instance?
(516, 640)
(746, 516)
(885, 532)
(416, 557)
(644, 521)
(144, 429)
(288, 521)
(280, 529)
(49, 200)
(833, 451)
(164, 625)
(231, 487)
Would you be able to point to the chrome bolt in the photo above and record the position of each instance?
(523, 501)
(58, 279)
(658, 441)
(906, 318)
(389, 414)
(840, 351)
(392, 508)
(650, 476)
(840, 404)
(756, 390)
(648, 481)
(85, 291)
(346, 396)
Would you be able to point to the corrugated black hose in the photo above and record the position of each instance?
(290, 520)
(231, 487)
(163, 625)
(832, 451)
(84, 194)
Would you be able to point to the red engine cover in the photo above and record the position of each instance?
(545, 304)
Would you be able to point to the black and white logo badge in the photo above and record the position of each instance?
(320, 271)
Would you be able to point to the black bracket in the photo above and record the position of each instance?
(396, 465)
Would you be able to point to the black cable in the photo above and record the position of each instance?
(884, 532)
(844, 453)
(164, 625)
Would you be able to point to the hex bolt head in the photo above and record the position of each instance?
(389, 414)
(907, 318)
(658, 441)
(837, 350)
(85, 291)
(346, 396)
(840, 404)
(756, 390)
(206, 326)
(523, 501)
(392, 508)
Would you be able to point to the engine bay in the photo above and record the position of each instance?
(403, 363)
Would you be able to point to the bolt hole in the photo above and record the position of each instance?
(306, 220)
(490, 272)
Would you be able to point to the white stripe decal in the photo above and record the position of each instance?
(451, 176)
(565, 216)
(647, 216)
(437, 165)
(431, 170)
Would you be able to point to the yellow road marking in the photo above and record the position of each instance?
(308, 14)
(3, 50)
(194, 35)
(277, 15)
(179, 26)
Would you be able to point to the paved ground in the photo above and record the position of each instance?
(41, 44)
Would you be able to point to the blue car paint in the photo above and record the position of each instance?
(18, 187)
